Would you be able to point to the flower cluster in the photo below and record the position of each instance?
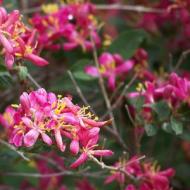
(74, 23)
(113, 66)
(148, 174)
(174, 12)
(42, 114)
(175, 92)
(17, 40)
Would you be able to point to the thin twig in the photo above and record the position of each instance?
(21, 154)
(111, 168)
(120, 97)
(105, 95)
(135, 8)
(116, 90)
(136, 160)
(79, 91)
(101, 84)
(63, 173)
(129, 114)
(31, 10)
(33, 80)
(181, 59)
(104, 7)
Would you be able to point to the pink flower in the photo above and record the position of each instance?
(42, 115)
(17, 40)
(111, 67)
(74, 23)
(89, 150)
(150, 177)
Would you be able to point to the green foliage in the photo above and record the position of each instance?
(177, 126)
(127, 42)
(5, 77)
(162, 110)
(151, 129)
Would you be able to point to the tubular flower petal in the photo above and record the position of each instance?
(31, 137)
(82, 158)
(74, 147)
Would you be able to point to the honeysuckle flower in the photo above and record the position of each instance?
(17, 39)
(85, 155)
(155, 179)
(141, 65)
(110, 67)
(42, 114)
(148, 174)
(75, 23)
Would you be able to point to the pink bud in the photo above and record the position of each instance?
(102, 152)
(46, 139)
(25, 101)
(9, 60)
(6, 44)
(36, 60)
(74, 147)
(59, 140)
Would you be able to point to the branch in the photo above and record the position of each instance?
(33, 80)
(181, 59)
(63, 173)
(134, 8)
(78, 90)
(112, 168)
(116, 91)
(104, 7)
(121, 96)
(101, 83)
(21, 154)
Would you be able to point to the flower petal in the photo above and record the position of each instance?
(82, 158)
(31, 137)
(74, 147)
(36, 60)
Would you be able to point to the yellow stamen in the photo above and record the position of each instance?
(50, 8)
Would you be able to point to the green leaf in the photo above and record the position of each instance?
(10, 4)
(150, 129)
(162, 110)
(177, 126)
(78, 70)
(5, 77)
(127, 42)
(137, 102)
(167, 127)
